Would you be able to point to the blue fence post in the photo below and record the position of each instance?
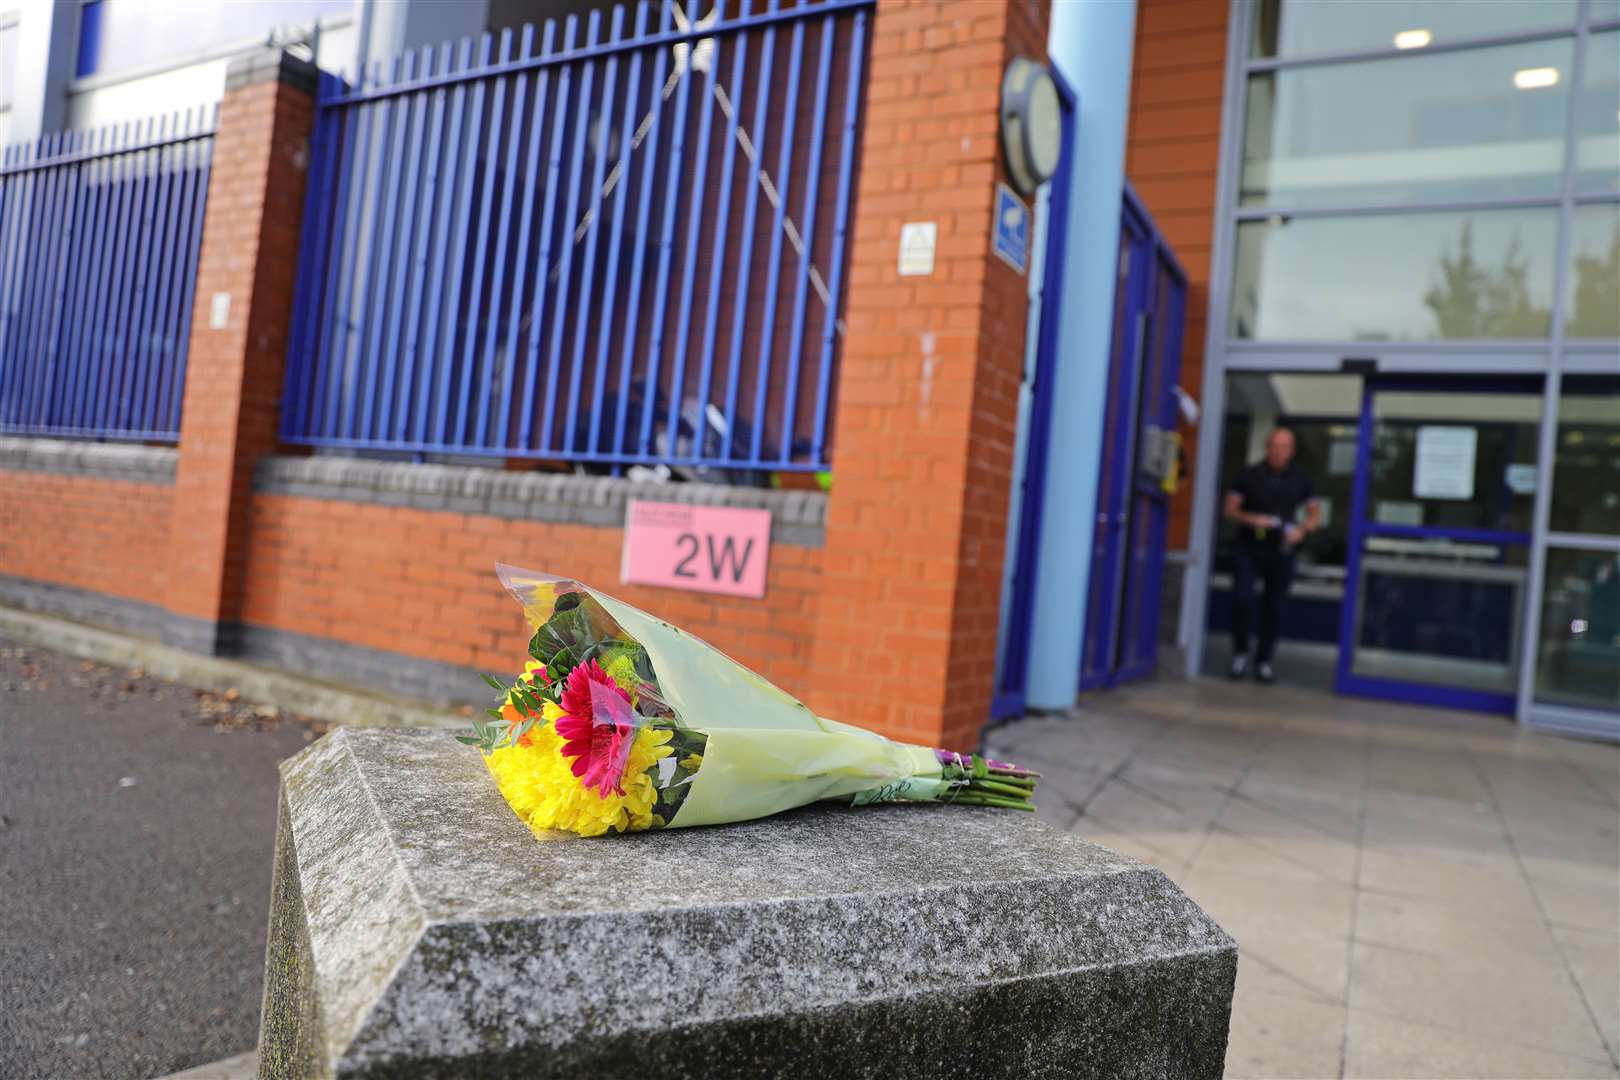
(537, 307)
(492, 147)
(565, 264)
(835, 284)
(593, 230)
(784, 176)
(403, 264)
(744, 282)
(638, 264)
(531, 170)
(807, 238)
(622, 172)
(465, 147)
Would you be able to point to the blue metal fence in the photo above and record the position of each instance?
(531, 246)
(99, 235)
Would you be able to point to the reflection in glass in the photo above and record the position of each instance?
(1439, 611)
(1459, 461)
(1580, 630)
(1303, 27)
(1412, 128)
(1594, 286)
(1586, 465)
(1597, 117)
(1410, 277)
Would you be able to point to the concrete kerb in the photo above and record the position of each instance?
(331, 702)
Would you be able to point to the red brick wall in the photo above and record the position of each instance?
(927, 394)
(234, 374)
(1172, 154)
(422, 582)
(108, 536)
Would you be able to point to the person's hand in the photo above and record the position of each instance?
(1294, 534)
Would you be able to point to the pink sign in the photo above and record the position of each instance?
(703, 548)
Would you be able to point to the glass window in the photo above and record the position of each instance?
(1597, 117)
(1586, 464)
(117, 35)
(1408, 277)
(1603, 11)
(1440, 611)
(1303, 27)
(1483, 123)
(1594, 283)
(1579, 660)
(1454, 460)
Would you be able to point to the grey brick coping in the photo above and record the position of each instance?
(797, 517)
(109, 461)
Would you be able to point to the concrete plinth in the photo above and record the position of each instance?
(417, 929)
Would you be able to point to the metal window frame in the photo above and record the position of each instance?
(1548, 357)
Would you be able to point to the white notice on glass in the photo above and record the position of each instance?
(1445, 462)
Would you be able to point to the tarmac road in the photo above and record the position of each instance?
(136, 836)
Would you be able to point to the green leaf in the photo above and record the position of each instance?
(532, 705)
(494, 682)
(470, 740)
(496, 713)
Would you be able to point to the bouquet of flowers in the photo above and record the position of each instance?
(621, 721)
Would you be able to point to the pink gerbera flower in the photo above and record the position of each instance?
(595, 728)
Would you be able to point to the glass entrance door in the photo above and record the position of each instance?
(1440, 543)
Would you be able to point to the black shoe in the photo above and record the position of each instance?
(1239, 668)
(1263, 672)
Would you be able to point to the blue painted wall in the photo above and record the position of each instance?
(1091, 43)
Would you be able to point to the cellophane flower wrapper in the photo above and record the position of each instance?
(622, 722)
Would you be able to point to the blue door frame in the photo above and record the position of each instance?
(1013, 677)
(1122, 605)
(1345, 680)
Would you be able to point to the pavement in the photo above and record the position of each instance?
(1415, 892)
(137, 824)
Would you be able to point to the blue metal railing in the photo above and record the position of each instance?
(99, 235)
(526, 246)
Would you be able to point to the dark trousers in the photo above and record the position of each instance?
(1275, 569)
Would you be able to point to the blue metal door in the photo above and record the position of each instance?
(1035, 425)
(1133, 505)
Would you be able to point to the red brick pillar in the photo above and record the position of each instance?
(234, 371)
(928, 389)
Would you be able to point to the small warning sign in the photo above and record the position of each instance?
(917, 242)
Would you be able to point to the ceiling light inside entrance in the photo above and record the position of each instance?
(1535, 78)
(1413, 39)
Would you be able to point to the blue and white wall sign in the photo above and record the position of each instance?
(1010, 229)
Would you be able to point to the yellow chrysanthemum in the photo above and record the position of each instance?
(692, 762)
(540, 786)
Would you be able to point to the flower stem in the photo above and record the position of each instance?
(975, 799)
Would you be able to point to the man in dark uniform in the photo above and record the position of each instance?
(1263, 501)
